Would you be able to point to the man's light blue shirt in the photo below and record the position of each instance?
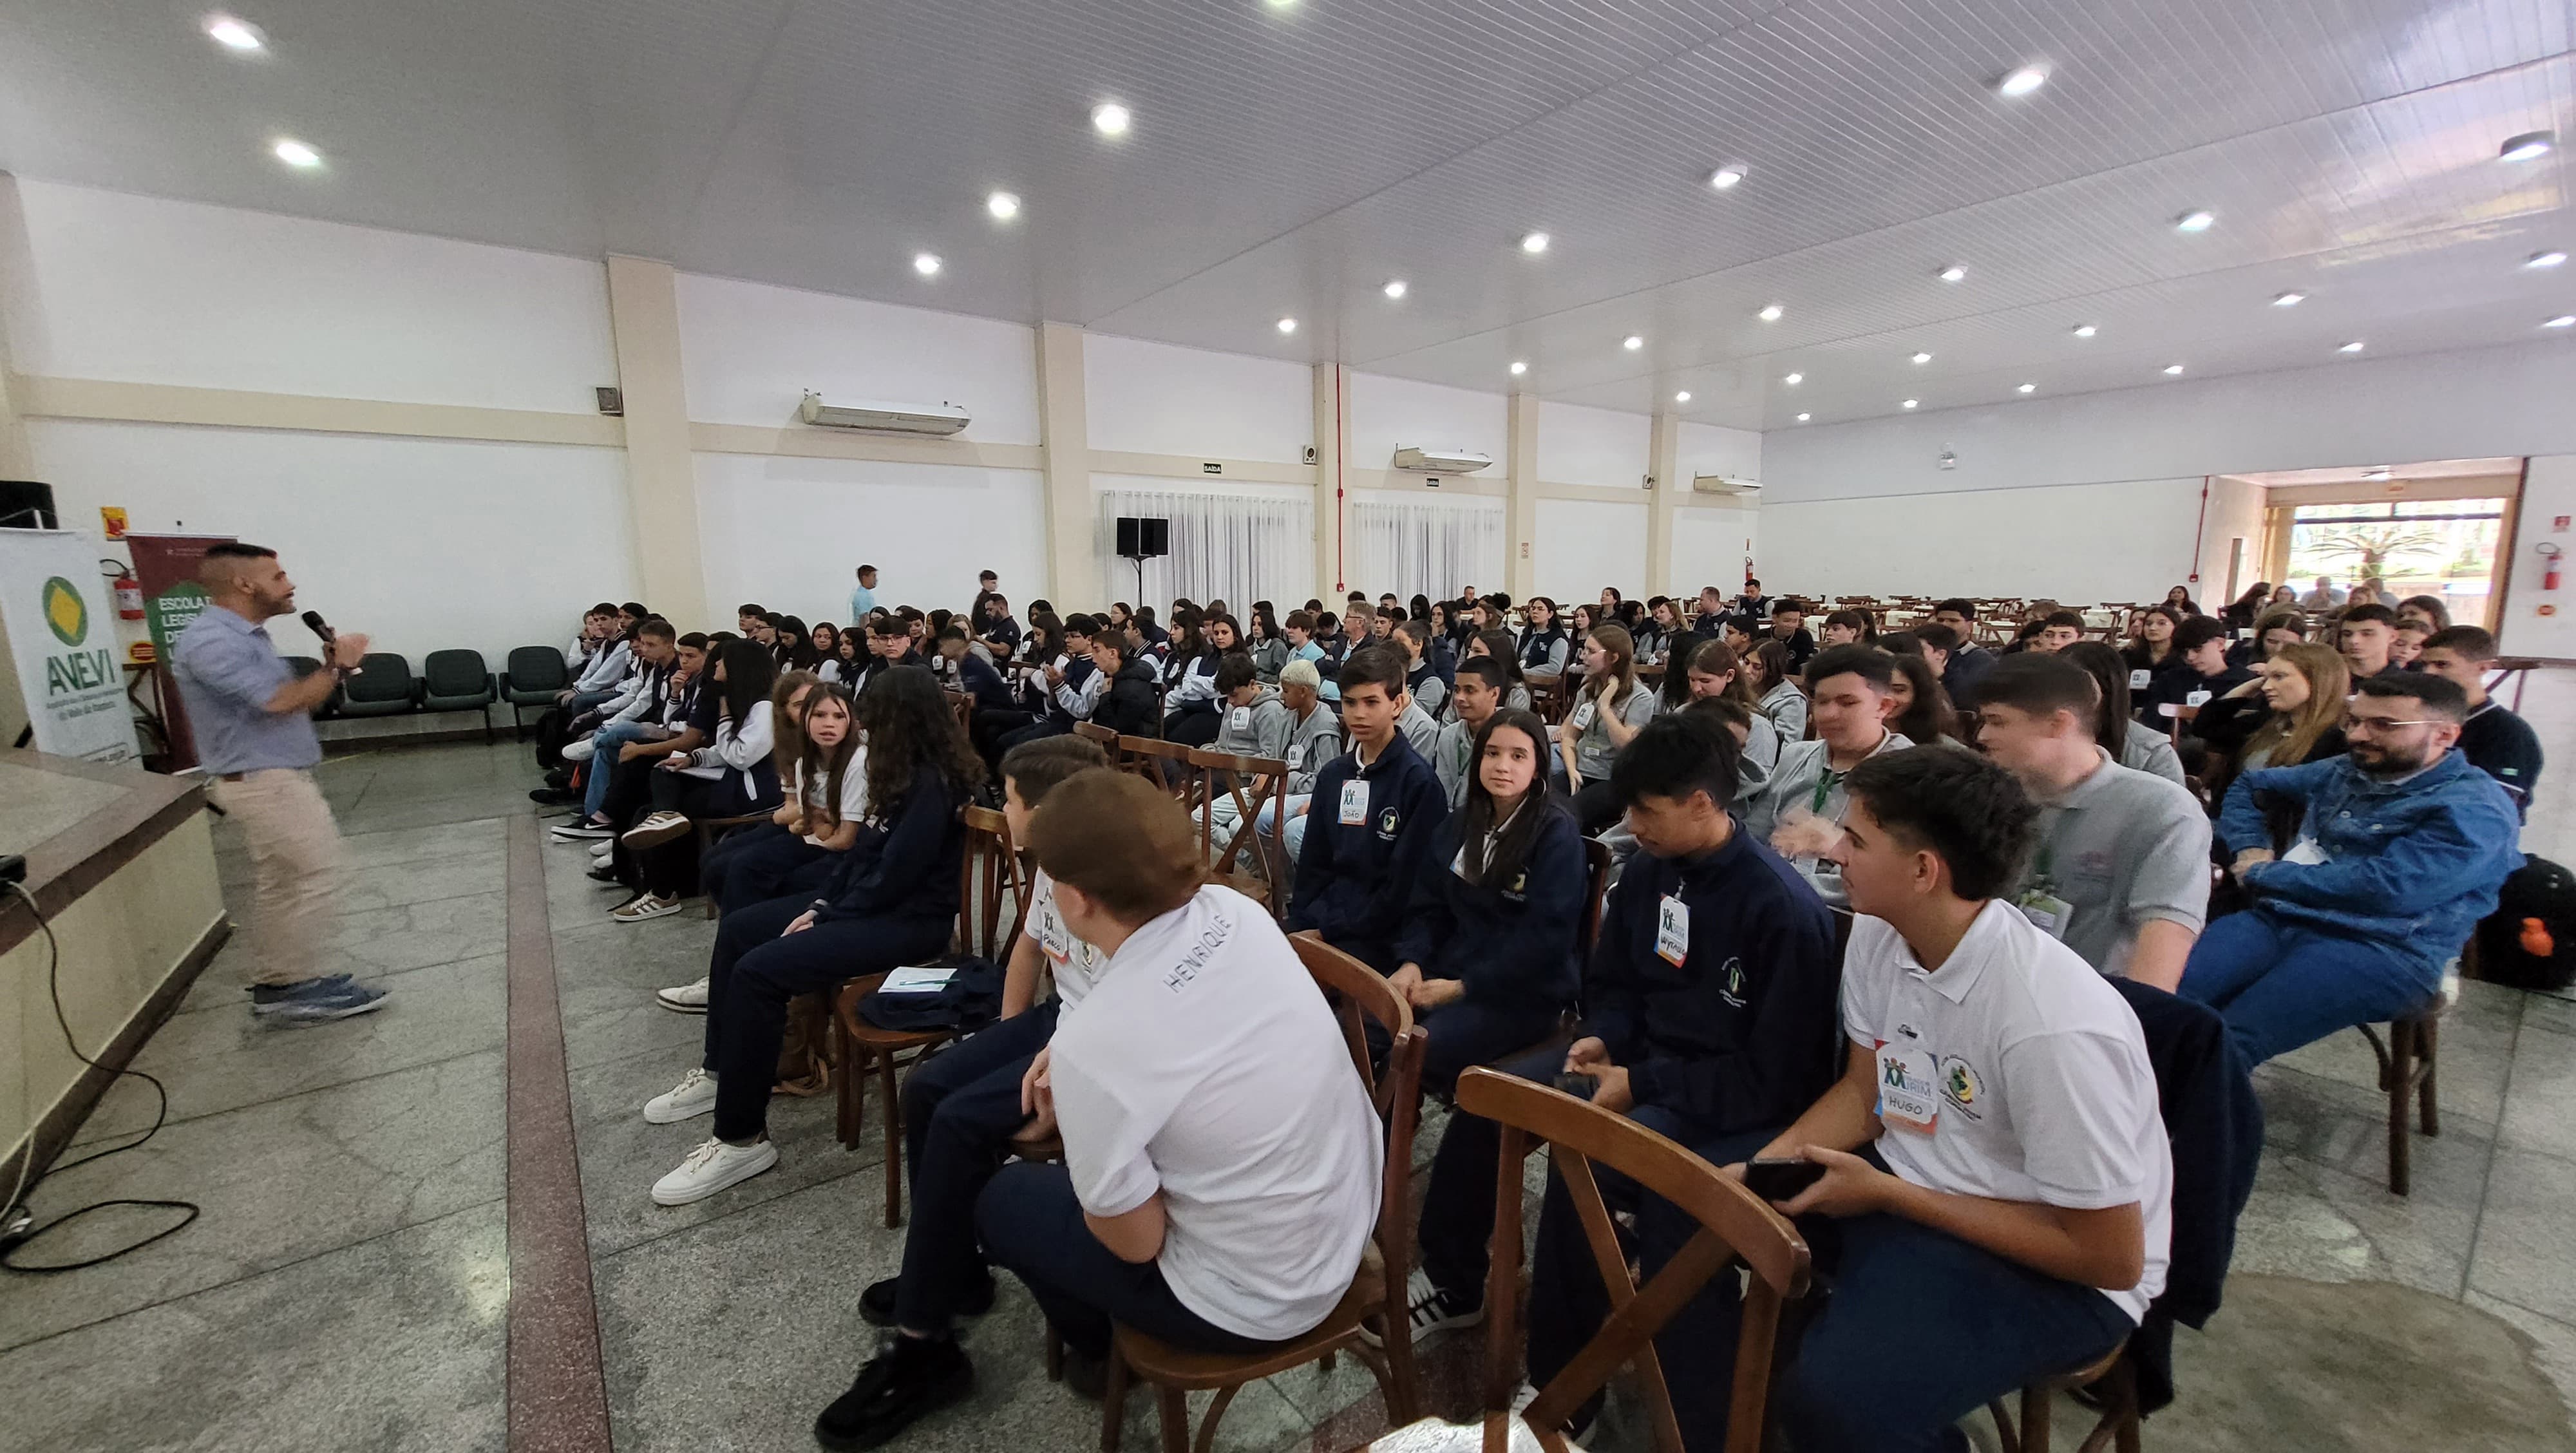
(862, 600)
(228, 671)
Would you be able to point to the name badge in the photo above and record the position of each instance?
(1672, 930)
(1909, 1095)
(1582, 715)
(2196, 698)
(2046, 911)
(1296, 755)
(1052, 934)
(1241, 718)
(2139, 678)
(1355, 795)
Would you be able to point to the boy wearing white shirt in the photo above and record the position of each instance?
(960, 1110)
(1993, 1155)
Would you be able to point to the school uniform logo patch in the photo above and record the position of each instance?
(1962, 1086)
(1386, 823)
(1730, 979)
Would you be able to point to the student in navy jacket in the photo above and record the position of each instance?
(1371, 822)
(892, 902)
(1486, 954)
(975, 675)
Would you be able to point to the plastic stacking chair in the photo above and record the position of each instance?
(457, 681)
(383, 686)
(534, 675)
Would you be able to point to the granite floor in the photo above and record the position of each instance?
(348, 1283)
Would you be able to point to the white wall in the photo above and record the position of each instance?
(422, 543)
(1710, 547)
(1578, 444)
(2548, 493)
(1713, 449)
(789, 533)
(1583, 545)
(751, 351)
(1391, 413)
(2235, 513)
(2074, 543)
(1155, 398)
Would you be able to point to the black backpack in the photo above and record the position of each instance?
(2535, 910)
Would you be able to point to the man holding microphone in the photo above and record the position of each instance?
(253, 719)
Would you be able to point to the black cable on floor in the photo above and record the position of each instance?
(10, 1246)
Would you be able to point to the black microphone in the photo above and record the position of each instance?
(313, 622)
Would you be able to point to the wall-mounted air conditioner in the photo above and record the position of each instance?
(1750, 489)
(943, 418)
(1441, 461)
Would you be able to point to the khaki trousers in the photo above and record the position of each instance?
(295, 850)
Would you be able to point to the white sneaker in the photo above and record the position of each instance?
(693, 1096)
(603, 850)
(579, 751)
(690, 998)
(1435, 1311)
(711, 1168)
(643, 907)
(659, 828)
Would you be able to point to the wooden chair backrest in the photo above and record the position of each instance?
(1093, 732)
(1733, 1223)
(989, 869)
(1359, 993)
(1596, 881)
(1224, 774)
(1160, 762)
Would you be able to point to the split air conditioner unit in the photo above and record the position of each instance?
(942, 419)
(1441, 461)
(1746, 489)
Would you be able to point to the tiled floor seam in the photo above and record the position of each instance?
(2495, 1152)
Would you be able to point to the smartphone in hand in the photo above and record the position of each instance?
(1781, 1179)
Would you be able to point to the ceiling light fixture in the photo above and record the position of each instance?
(1003, 205)
(2024, 81)
(2355, 346)
(1953, 273)
(1727, 175)
(1394, 289)
(1683, 397)
(1519, 368)
(2085, 330)
(1910, 403)
(1795, 379)
(1287, 325)
(2289, 300)
(2195, 221)
(242, 36)
(1534, 243)
(2563, 320)
(1770, 312)
(2173, 370)
(1632, 342)
(926, 263)
(1802, 418)
(1111, 119)
(1923, 358)
(2544, 259)
(296, 154)
(2028, 388)
(2529, 146)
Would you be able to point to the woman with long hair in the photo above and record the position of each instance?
(826, 639)
(2272, 631)
(2246, 609)
(794, 648)
(2284, 597)
(1776, 691)
(1267, 647)
(2130, 742)
(1486, 952)
(1544, 648)
(821, 802)
(2290, 713)
(1498, 644)
(2429, 609)
(1711, 670)
(2150, 652)
(892, 900)
(1918, 709)
(1418, 608)
(732, 775)
(2179, 600)
(1195, 718)
(1612, 707)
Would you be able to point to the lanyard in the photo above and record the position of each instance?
(1826, 781)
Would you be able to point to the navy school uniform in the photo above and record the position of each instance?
(2503, 746)
(1363, 848)
(978, 679)
(1512, 944)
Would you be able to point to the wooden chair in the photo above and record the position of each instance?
(1106, 739)
(2114, 1381)
(862, 1049)
(1371, 1322)
(1265, 876)
(1165, 764)
(1596, 881)
(2407, 1059)
(1734, 1224)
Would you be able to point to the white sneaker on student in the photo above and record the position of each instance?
(690, 998)
(603, 849)
(659, 828)
(1436, 1311)
(693, 1096)
(579, 751)
(644, 906)
(711, 1168)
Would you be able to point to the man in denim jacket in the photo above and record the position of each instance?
(2401, 849)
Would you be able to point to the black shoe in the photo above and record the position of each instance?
(913, 1376)
(1087, 1376)
(603, 873)
(876, 1304)
(553, 796)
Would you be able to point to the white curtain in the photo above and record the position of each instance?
(1424, 548)
(1234, 548)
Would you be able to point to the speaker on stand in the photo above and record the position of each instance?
(1142, 538)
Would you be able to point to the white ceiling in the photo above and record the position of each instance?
(2430, 471)
(1289, 160)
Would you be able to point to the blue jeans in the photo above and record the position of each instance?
(1294, 834)
(603, 762)
(2280, 985)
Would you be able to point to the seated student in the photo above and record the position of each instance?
(1422, 679)
(2152, 651)
(625, 777)
(1544, 649)
(1188, 1206)
(1125, 703)
(1799, 809)
(2131, 743)
(2407, 645)
(889, 646)
(1967, 661)
(1707, 670)
(1789, 628)
(1751, 601)
(1497, 645)
(732, 775)
(1611, 708)
(1371, 820)
(1847, 628)
(1485, 952)
(1251, 721)
(1314, 738)
(827, 651)
(597, 628)
(794, 646)
(1189, 680)
(1916, 708)
(636, 716)
(2201, 676)
(2495, 741)
(1478, 696)
(2058, 630)
(975, 676)
(1774, 684)
(2273, 631)
(892, 902)
(1064, 687)
(2290, 713)
(1995, 1161)
(960, 1110)
(2400, 853)
(609, 665)
(994, 626)
(2364, 635)
(1708, 1013)
(2121, 873)
(1299, 628)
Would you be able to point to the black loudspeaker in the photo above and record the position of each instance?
(1144, 537)
(27, 504)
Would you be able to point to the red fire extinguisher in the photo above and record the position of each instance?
(2550, 552)
(129, 597)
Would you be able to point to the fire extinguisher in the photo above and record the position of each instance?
(2550, 552)
(129, 597)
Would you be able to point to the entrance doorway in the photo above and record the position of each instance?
(2432, 528)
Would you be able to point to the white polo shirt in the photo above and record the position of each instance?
(1206, 1065)
(2040, 1087)
(1073, 963)
(851, 804)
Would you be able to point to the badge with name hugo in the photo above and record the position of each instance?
(1908, 1087)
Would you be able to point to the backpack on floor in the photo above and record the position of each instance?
(2529, 942)
(805, 1053)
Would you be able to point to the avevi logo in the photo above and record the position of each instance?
(66, 614)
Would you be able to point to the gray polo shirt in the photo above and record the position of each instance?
(1593, 752)
(1805, 781)
(228, 671)
(2122, 850)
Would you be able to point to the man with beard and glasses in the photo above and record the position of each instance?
(2400, 850)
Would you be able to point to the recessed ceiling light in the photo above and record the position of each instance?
(1953, 273)
(2355, 346)
(1795, 379)
(242, 36)
(926, 263)
(1632, 342)
(1519, 368)
(2289, 300)
(1111, 119)
(296, 154)
(1727, 175)
(1770, 312)
(1003, 205)
(2028, 388)
(2563, 320)
(1910, 403)
(1534, 243)
(1287, 325)
(1281, 4)
(2173, 370)
(2085, 330)
(2024, 81)
(1923, 358)
(2544, 259)
(1683, 397)
(2196, 221)
(1802, 418)
(1394, 288)
(2529, 146)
